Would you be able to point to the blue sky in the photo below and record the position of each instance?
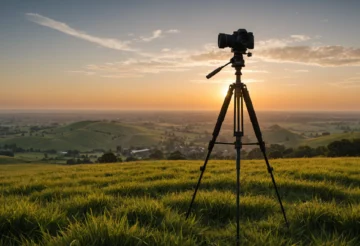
(154, 54)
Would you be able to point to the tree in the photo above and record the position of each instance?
(72, 153)
(276, 147)
(118, 149)
(288, 152)
(71, 162)
(304, 151)
(243, 154)
(276, 151)
(275, 154)
(342, 148)
(107, 158)
(7, 153)
(177, 155)
(321, 151)
(157, 155)
(255, 154)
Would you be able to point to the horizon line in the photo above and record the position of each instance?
(166, 110)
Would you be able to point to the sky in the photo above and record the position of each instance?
(137, 55)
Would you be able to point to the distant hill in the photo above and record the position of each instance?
(276, 134)
(88, 135)
(10, 160)
(325, 140)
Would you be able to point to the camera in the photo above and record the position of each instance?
(240, 40)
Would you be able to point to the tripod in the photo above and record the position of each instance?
(241, 97)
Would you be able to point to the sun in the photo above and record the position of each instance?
(224, 90)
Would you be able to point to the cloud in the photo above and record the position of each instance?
(156, 34)
(326, 56)
(300, 38)
(211, 55)
(275, 42)
(64, 28)
(172, 31)
(204, 59)
(177, 60)
(289, 50)
(132, 68)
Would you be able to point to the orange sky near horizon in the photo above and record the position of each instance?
(156, 56)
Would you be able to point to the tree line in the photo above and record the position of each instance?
(339, 148)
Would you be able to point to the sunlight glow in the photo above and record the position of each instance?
(224, 90)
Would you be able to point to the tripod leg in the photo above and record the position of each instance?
(238, 133)
(216, 131)
(258, 134)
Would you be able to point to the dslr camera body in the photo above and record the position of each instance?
(240, 40)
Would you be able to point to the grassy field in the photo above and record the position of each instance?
(143, 203)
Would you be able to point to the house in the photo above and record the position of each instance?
(140, 153)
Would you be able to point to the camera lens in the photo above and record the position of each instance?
(222, 40)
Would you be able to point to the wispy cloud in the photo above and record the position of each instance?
(289, 50)
(276, 42)
(300, 38)
(326, 56)
(64, 28)
(156, 34)
(172, 31)
(166, 60)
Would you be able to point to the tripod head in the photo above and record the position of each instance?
(237, 61)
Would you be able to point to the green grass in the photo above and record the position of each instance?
(144, 203)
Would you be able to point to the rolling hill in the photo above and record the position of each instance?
(325, 140)
(88, 135)
(10, 160)
(276, 134)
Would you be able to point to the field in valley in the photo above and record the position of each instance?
(144, 203)
(82, 131)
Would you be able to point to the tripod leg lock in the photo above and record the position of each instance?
(270, 169)
(202, 168)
